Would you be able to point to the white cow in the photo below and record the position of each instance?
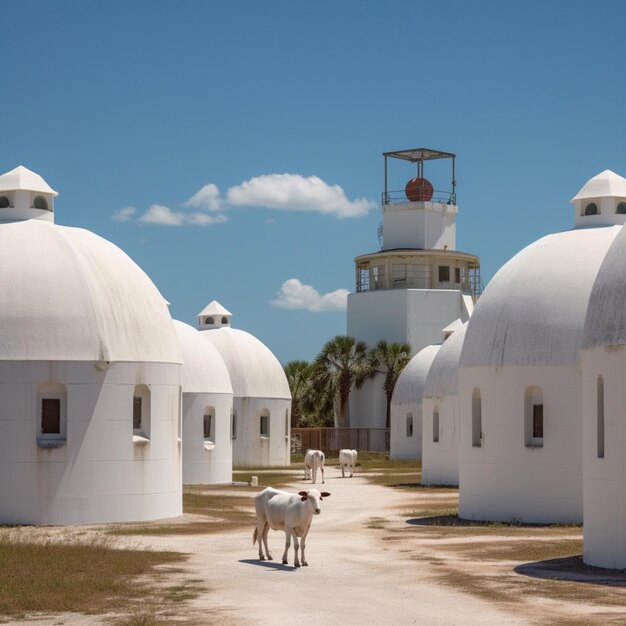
(347, 458)
(312, 460)
(281, 510)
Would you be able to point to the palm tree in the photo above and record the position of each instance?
(341, 363)
(299, 378)
(389, 359)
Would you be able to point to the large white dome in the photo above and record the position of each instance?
(410, 383)
(68, 294)
(254, 371)
(533, 310)
(204, 370)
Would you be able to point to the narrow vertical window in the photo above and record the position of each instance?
(600, 417)
(477, 419)
(436, 424)
(209, 424)
(51, 415)
(265, 423)
(409, 424)
(233, 424)
(141, 412)
(533, 417)
(286, 422)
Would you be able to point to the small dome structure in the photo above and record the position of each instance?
(89, 370)
(520, 382)
(603, 358)
(405, 435)
(214, 315)
(440, 409)
(262, 399)
(207, 410)
(601, 201)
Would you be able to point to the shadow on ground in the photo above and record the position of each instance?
(269, 564)
(572, 568)
(455, 520)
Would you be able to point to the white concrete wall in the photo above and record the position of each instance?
(440, 459)
(207, 462)
(426, 225)
(402, 446)
(249, 447)
(504, 479)
(99, 474)
(415, 316)
(604, 480)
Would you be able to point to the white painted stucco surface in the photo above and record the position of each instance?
(407, 399)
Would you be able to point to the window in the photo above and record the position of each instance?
(409, 424)
(444, 274)
(265, 423)
(436, 424)
(51, 415)
(141, 412)
(533, 417)
(600, 417)
(477, 419)
(286, 422)
(591, 209)
(209, 320)
(209, 423)
(5, 203)
(40, 203)
(224, 320)
(457, 274)
(233, 424)
(621, 207)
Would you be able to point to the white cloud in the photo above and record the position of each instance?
(294, 295)
(293, 192)
(206, 198)
(164, 216)
(124, 215)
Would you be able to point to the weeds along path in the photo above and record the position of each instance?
(354, 576)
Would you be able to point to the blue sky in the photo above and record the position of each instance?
(129, 109)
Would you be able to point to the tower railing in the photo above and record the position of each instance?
(399, 197)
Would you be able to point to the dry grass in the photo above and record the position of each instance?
(58, 576)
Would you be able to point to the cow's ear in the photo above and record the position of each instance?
(324, 494)
(303, 493)
(303, 498)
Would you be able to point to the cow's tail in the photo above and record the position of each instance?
(254, 536)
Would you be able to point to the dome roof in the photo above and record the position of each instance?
(605, 322)
(410, 383)
(605, 185)
(254, 371)
(67, 294)
(533, 310)
(204, 370)
(443, 376)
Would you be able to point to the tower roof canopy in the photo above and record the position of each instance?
(21, 178)
(419, 154)
(606, 184)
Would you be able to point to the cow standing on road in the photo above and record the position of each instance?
(347, 459)
(281, 510)
(313, 459)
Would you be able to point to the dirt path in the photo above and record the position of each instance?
(354, 576)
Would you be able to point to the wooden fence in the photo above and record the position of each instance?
(331, 440)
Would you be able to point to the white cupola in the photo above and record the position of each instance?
(214, 315)
(25, 195)
(601, 201)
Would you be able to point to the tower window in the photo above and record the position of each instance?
(444, 274)
(209, 320)
(436, 425)
(621, 208)
(477, 420)
(4, 202)
(591, 209)
(533, 417)
(600, 417)
(52, 415)
(224, 320)
(265, 423)
(141, 411)
(409, 424)
(40, 203)
(233, 424)
(209, 423)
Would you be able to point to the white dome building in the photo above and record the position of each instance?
(261, 396)
(89, 373)
(440, 409)
(603, 357)
(405, 433)
(207, 410)
(520, 381)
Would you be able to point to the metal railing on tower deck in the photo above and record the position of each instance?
(399, 197)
